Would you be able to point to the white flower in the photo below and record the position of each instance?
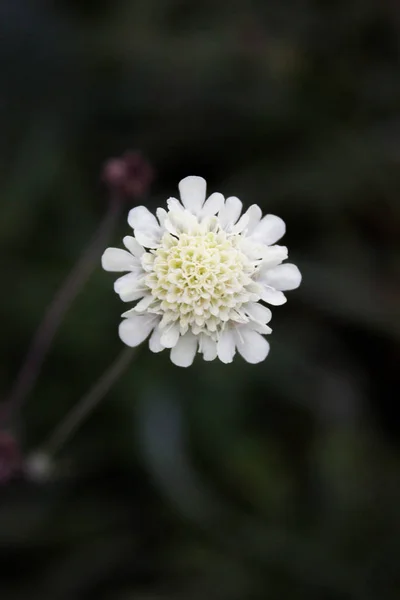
(200, 273)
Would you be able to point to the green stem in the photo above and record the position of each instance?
(74, 418)
(43, 338)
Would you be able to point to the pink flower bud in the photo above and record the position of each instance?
(130, 175)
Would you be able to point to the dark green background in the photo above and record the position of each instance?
(275, 481)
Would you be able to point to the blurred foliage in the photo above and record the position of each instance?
(227, 482)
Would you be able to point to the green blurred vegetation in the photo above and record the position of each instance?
(243, 482)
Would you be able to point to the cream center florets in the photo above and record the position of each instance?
(199, 281)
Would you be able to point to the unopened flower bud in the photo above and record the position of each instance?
(130, 175)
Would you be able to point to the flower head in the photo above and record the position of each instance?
(200, 273)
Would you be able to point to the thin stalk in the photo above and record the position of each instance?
(55, 313)
(87, 404)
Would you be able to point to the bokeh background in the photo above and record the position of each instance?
(236, 482)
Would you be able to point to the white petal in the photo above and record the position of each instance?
(259, 317)
(133, 246)
(174, 204)
(259, 327)
(272, 296)
(170, 336)
(208, 347)
(253, 250)
(226, 346)
(132, 295)
(129, 313)
(128, 281)
(170, 225)
(155, 344)
(269, 230)
(193, 193)
(283, 277)
(241, 224)
(144, 303)
(141, 218)
(115, 259)
(180, 222)
(145, 225)
(260, 313)
(273, 256)
(213, 204)
(251, 345)
(182, 355)
(230, 212)
(133, 312)
(161, 216)
(148, 240)
(130, 287)
(254, 213)
(134, 331)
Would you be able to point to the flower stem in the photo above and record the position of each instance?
(56, 311)
(89, 401)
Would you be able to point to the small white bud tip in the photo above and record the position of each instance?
(38, 467)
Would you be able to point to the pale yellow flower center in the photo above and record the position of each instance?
(199, 280)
